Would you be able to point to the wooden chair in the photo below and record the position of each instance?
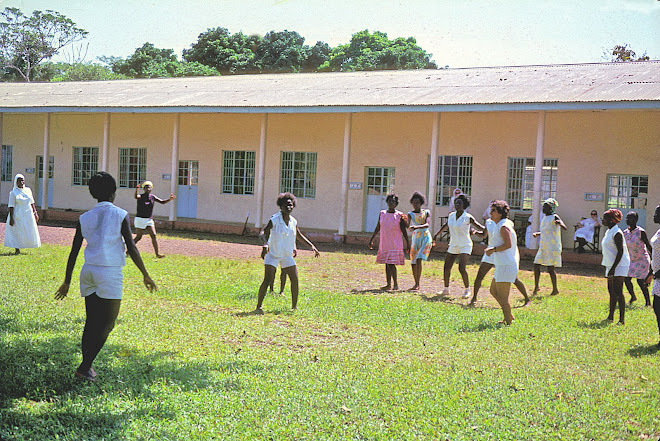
(594, 245)
(520, 222)
(445, 235)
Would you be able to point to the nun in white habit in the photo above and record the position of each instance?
(21, 228)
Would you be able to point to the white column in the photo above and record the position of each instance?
(433, 170)
(106, 143)
(44, 170)
(261, 172)
(538, 177)
(345, 169)
(174, 178)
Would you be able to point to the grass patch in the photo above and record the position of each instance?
(188, 362)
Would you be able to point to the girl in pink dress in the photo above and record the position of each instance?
(639, 249)
(392, 227)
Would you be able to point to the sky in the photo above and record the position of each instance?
(458, 33)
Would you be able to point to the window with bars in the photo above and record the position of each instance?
(189, 173)
(453, 172)
(7, 151)
(132, 167)
(238, 171)
(520, 182)
(298, 174)
(85, 164)
(627, 191)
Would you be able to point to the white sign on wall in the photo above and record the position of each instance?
(594, 197)
(355, 185)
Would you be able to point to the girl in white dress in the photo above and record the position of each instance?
(459, 223)
(506, 256)
(616, 261)
(21, 228)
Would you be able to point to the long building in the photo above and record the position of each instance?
(226, 146)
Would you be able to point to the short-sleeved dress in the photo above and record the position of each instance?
(549, 253)
(421, 240)
(390, 248)
(639, 255)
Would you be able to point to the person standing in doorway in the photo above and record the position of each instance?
(145, 210)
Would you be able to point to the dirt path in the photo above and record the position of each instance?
(343, 275)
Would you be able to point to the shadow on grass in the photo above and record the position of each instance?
(643, 350)
(595, 325)
(491, 326)
(52, 403)
(265, 312)
(372, 291)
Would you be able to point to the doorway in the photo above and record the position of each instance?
(39, 184)
(379, 182)
(186, 199)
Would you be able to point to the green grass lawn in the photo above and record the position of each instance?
(188, 362)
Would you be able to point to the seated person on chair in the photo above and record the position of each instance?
(584, 232)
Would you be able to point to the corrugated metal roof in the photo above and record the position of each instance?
(636, 83)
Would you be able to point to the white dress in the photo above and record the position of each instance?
(24, 232)
(586, 230)
(609, 253)
(655, 261)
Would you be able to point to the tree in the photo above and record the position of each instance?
(226, 52)
(283, 51)
(26, 42)
(318, 54)
(623, 53)
(375, 51)
(150, 62)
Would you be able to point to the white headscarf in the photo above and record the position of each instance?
(17, 191)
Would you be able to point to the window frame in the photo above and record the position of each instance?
(524, 175)
(7, 163)
(230, 168)
(93, 166)
(464, 164)
(124, 170)
(290, 176)
(631, 197)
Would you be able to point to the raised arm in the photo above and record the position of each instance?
(307, 241)
(560, 222)
(164, 201)
(135, 254)
(63, 290)
(136, 195)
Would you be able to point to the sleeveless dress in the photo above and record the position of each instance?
(390, 248)
(639, 255)
(459, 233)
(506, 262)
(609, 253)
(549, 253)
(421, 240)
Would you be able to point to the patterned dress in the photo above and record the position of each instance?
(549, 253)
(421, 240)
(639, 255)
(390, 248)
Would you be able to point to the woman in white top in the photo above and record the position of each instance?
(505, 254)
(279, 248)
(585, 231)
(655, 268)
(21, 228)
(460, 242)
(616, 262)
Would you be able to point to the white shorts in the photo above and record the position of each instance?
(284, 262)
(467, 249)
(505, 273)
(105, 281)
(620, 271)
(141, 223)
